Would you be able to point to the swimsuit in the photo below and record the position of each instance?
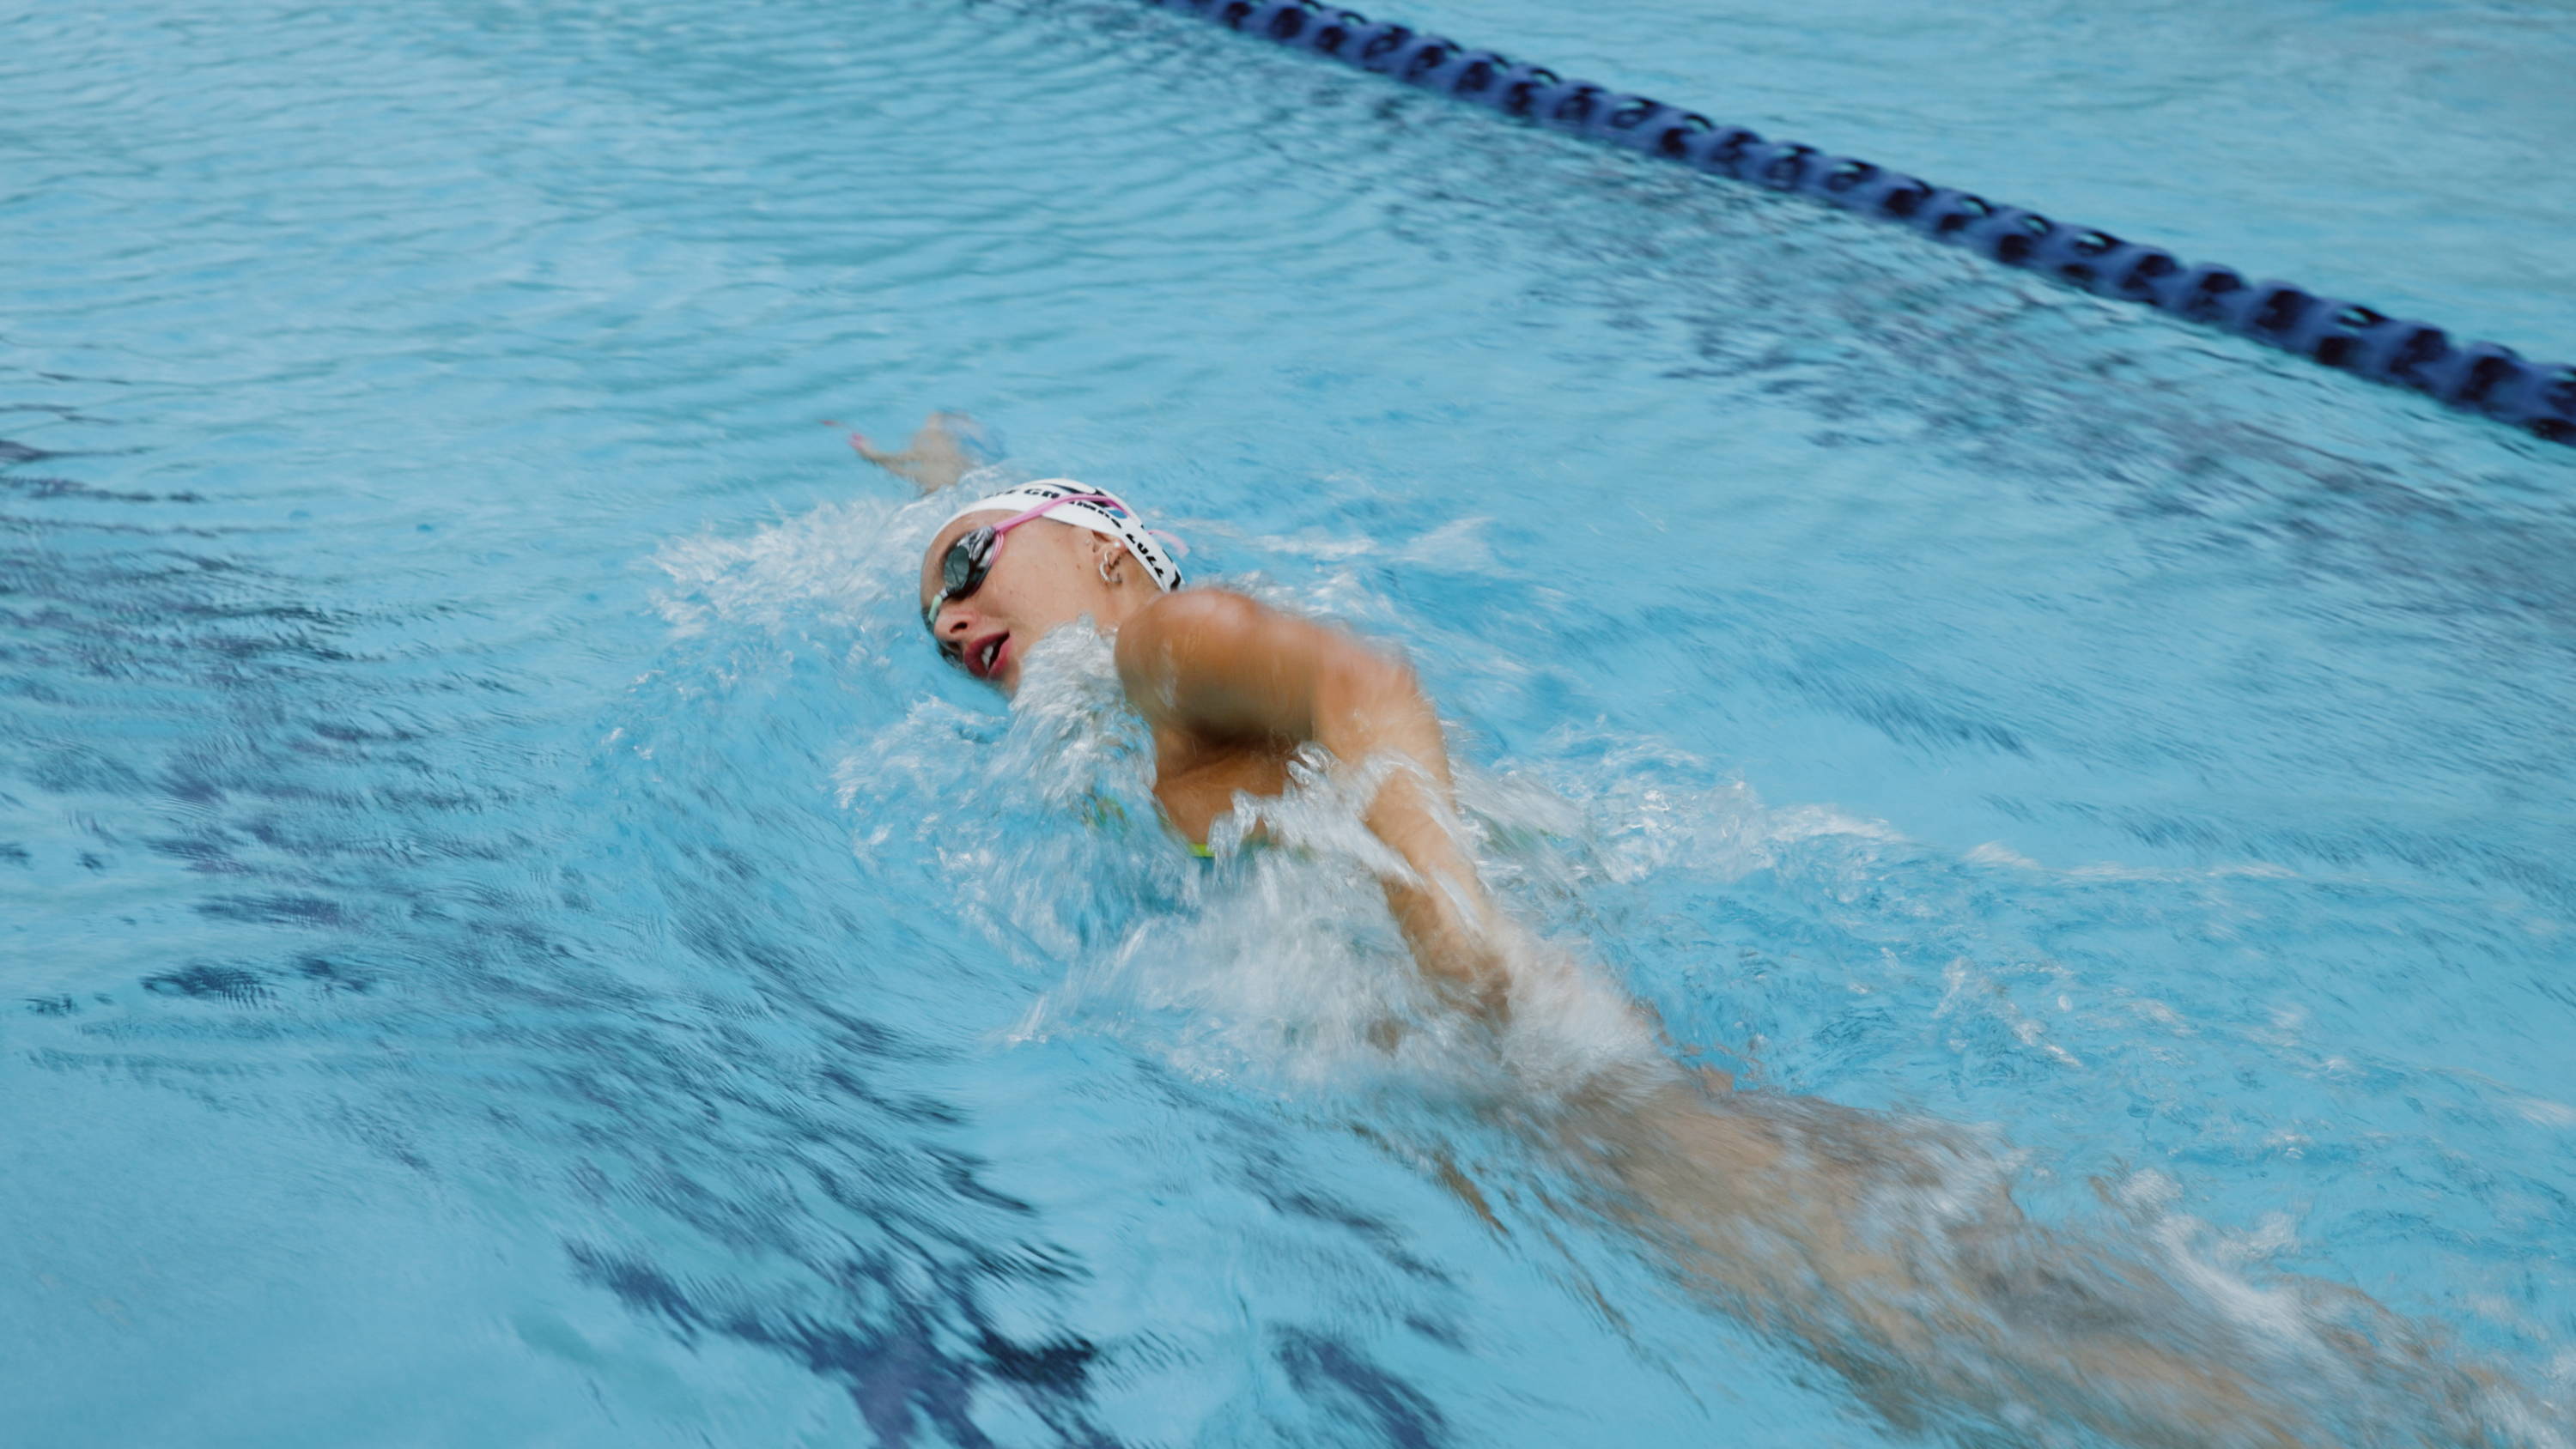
(1101, 812)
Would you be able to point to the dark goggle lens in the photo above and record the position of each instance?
(963, 568)
(961, 572)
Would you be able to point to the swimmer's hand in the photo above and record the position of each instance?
(934, 459)
(1211, 670)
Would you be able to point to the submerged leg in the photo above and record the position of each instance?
(1891, 1250)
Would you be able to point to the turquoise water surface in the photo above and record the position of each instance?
(514, 939)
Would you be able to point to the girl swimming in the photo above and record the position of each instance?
(1885, 1247)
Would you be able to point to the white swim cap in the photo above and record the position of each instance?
(1112, 519)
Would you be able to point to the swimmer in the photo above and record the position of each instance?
(1230, 688)
(1884, 1247)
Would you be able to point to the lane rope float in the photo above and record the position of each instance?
(2485, 378)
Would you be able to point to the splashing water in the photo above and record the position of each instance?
(509, 922)
(1887, 1247)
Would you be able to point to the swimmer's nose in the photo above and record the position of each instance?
(955, 620)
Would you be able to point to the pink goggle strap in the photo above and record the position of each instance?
(1042, 509)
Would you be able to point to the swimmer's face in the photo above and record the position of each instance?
(1047, 575)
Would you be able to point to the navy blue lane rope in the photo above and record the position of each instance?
(2480, 377)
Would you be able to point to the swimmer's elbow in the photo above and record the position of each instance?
(1354, 683)
(1370, 679)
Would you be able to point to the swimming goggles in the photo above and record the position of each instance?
(962, 569)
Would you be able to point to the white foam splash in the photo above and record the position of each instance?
(840, 561)
(1279, 967)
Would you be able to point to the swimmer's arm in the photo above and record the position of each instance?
(933, 460)
(1219, 666)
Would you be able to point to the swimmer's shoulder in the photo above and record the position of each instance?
(1208, 661)
(1237, 663)
(1203, 607)
(1177, 627)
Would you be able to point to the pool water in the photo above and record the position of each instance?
(515, 939)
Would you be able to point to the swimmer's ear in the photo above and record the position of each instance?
(1109, 558)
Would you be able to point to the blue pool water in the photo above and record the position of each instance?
(513, 939)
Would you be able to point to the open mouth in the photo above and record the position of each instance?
(985, 659)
